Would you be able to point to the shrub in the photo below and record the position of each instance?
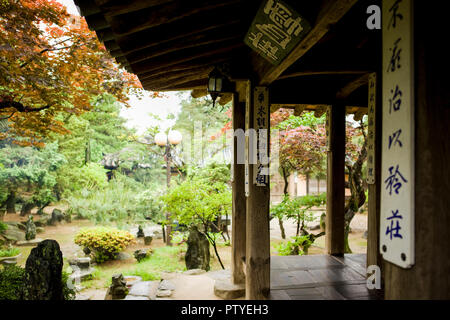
(3, 227)
(104, 243)
(298, 246)
(9, 252)
(12, 282)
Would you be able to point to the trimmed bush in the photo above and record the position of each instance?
(12, 282)
(104, 243)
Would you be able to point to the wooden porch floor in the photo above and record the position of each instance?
(320, 277)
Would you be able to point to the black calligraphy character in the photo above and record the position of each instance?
(395, 59)
(261, 122)
(390, 230)
(394, 138)
(395, 14)
(393, 181)
(261, 97)
(396, 101)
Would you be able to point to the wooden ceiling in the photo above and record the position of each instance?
(174, 44)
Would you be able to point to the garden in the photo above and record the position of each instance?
(120, 207)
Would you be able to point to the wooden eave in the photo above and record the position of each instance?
(174, 44)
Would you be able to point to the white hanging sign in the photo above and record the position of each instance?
(397, 165)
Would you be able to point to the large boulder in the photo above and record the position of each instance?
(57, 216)
(13, 233)
(44, 272)
(197, 254)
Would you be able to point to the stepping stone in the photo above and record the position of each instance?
(142, 288)
(123, 256)
(225, 289)
(29, 243)
(163, 293)
(131, 297)
(166, 285)
(194, 272)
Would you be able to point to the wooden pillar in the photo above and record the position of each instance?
(238, 186)
(373, 216)
(257, 282)
(429, 277)
(334, 223)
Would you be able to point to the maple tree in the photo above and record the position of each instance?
(51, 63)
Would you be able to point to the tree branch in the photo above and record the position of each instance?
(19, 107)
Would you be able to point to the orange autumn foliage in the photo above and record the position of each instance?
(51, 63)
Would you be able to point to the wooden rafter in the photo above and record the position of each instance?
(185, 55)
(163, 14)
(320, 73)
(352, 86)
(118, 7)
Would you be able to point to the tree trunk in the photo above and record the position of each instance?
(357, 197)
(87, 155)
(307, 184)
(26, 208)
(285, 192)
(11, 202)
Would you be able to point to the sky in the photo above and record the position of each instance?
(138, 115)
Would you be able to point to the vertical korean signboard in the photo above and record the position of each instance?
(371, 128)
(276, 30)
(397, 167)
(261, 124)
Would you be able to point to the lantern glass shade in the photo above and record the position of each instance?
(161, 139)
(174, 137)
(215, 81)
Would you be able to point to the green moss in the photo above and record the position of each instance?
(12, 282)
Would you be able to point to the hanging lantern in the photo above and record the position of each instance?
(216, 82)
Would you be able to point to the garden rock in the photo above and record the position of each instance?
(22, 226)
(225, 289)
(39, 229)
(166, 285)
(197, 255)
(13, 234)
(30, 232)
(81, 269)
(140, 254)
(39, 223)
(140, 233)
(44, 272)
(118, 289)
(194, 272)
(28, 243)
(163, 293)
(123, 256)
(57, 216)
(148, 240)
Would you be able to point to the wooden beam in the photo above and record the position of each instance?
(334, 223)
(238, 242)
(225, 98)
(332, 11)
(175, 82)
(174, 75)
(163, 14)
(156, 36)
(181, 44)
(117, 7)
(320, 73)
(349, 88)
(198, 93)
(320, 110)
(184, 56)
(191, 85)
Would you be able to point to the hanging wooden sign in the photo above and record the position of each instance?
(247, 143)
(261, 122)
(397, 165)
(371, 129)
(276, 30)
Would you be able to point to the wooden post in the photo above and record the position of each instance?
(373, 215)
(238, 186)
(334, 223)
(257, 282)
(429, 277)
